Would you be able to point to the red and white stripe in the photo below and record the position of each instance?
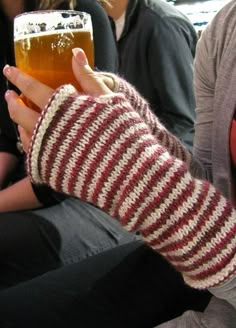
(168, 140)
(103, 151)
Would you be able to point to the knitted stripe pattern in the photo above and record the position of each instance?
(102, 151)
(164, 137)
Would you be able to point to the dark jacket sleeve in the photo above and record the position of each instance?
(171, 53)
(106, 58)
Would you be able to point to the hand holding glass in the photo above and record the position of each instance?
(44, 41)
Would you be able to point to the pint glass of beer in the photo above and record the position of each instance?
(43, 42)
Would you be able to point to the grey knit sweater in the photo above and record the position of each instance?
(215, 88)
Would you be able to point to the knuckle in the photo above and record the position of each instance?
(12, 112)
(27, 86)
(23, 82)
(14, 108)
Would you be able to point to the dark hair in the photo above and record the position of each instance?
(52, 4)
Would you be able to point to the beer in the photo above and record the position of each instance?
(44, 41)
(47, 56)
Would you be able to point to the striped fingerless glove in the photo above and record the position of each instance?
(102, 151)
(164, 137)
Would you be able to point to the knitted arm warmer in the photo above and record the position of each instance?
(101, 150)
(164, 137)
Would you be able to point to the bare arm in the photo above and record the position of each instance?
(19, 196)
(8, 164)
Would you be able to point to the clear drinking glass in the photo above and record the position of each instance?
(44, 40)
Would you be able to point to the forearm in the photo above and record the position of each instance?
(113, 161)
(167, 139)
(19, 196)
(8, 163)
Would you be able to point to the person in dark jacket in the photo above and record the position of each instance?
(64, 229)
(156, 46)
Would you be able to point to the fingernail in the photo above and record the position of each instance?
(80, 56)
(7, 70)
(20, 129)
(7, 94)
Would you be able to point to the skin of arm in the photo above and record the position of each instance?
(18, 196)
(8, 163)
(12, 7)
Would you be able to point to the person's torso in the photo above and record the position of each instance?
(143, 19)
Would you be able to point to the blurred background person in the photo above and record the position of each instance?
(156, 46)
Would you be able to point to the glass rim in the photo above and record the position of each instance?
(39, 17)
(47, 11)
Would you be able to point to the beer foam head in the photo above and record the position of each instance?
(39, 22)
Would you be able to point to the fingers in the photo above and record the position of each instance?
(34, 90)
(20, 113)
(94, 84)
(25, 138)
(91, 82)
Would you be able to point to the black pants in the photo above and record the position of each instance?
(128, 286)
(29, 246)
(32, 244)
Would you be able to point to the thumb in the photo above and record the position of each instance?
(91, 82)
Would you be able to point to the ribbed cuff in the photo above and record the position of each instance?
(54, 104)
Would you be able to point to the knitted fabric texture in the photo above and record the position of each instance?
(168, 140)
(105, 152)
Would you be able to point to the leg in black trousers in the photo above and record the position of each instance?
(128, 286)
(32, 243)
(26, 250)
